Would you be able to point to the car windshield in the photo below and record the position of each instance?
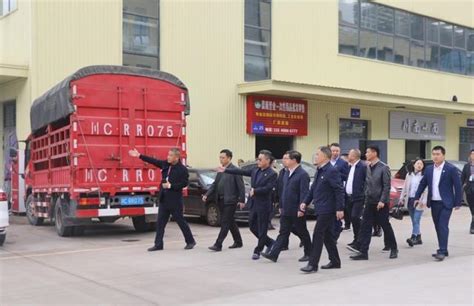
(458, 164)
(208, 177)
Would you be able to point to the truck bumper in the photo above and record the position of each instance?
(116, 212)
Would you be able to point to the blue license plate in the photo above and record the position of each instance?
(132, 201)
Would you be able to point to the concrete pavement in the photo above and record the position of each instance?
(110, 266)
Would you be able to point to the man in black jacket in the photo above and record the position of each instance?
(174, 176)
(377, 199)
(263, 180)
(227, 191)
(467, 180)
(295, 187)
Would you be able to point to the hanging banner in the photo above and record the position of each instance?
(268, 115)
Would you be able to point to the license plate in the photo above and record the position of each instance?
(132, 201)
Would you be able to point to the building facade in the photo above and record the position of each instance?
(263, 74)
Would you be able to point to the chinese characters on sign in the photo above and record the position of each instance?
(417, 126)
(277, 116)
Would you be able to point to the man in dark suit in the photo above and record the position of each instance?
(377, 199)
(227, 191)
(355, 193)
(467, 180)
(444, 194)
(343, 167)
(174, 176)
(295, 187)
(327, 194)
(263, 180)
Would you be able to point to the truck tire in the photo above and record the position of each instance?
(61, 229)
(2, 238)
(30, 212)
(213, 214)
(140, 225)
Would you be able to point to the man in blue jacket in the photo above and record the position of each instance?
(327, 194)
(444, 194)
(263, 181)
(295, 187)
(174, 176)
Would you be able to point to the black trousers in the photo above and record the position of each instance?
(470, 201)
(323, 234)
(164, 213)
(258, 223)
(371, 215)
(287, 224)
(355, 214)
(347, 211)
(228, 224)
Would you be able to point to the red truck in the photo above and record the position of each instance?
(77, 166)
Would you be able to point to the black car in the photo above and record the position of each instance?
(278, 165)
(199, 182)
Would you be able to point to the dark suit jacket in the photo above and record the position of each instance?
(343, 168)
(449, 186)
(358, 183)
(294, 190)
(233, 185)
(263, 182)
(327, 192)
(466, 174)
(178, 177)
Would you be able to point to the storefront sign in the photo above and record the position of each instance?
(355, 112)
(417, 126)
(277, 116)
(470, 122)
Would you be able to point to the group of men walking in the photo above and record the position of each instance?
(355, 191)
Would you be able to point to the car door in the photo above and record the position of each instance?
(193, 202)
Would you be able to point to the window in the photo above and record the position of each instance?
(257, 40)
(375, 31)
(7, 6)
(141, 33)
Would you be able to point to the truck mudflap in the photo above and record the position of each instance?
(116, 212)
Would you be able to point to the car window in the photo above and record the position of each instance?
(309, 168)
(193, 177)
(208, 177)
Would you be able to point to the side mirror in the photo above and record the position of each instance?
(194, 185)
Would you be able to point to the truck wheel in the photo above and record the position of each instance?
(61, 229)
(2, 238)
(213, 214)
(78, 230)
(140, 225)
(30, 212)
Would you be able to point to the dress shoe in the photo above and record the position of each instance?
(377, 233)
(304, 258)
(236, 245)
(446, 254)
(215, 248)
(353, 247)
(472, 227)
(269, 257)
(255, 256)
(386, 249)
(440, 257)
(411, 240)
(393, 253)
(190, 246)
(331, 265)
(360, 256)
(309, 269)
(417, 240)
(155, 248)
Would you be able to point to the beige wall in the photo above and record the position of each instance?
(15, 35)
(202, 43)
(305, 50)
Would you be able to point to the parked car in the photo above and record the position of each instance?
(399, 179)
(3, 216)
(277, 166)
(199, 182)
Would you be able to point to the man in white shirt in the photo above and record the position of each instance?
(355, 194)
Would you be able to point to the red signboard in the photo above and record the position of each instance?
(268, 115)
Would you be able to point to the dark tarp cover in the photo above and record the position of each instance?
(56, 103)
